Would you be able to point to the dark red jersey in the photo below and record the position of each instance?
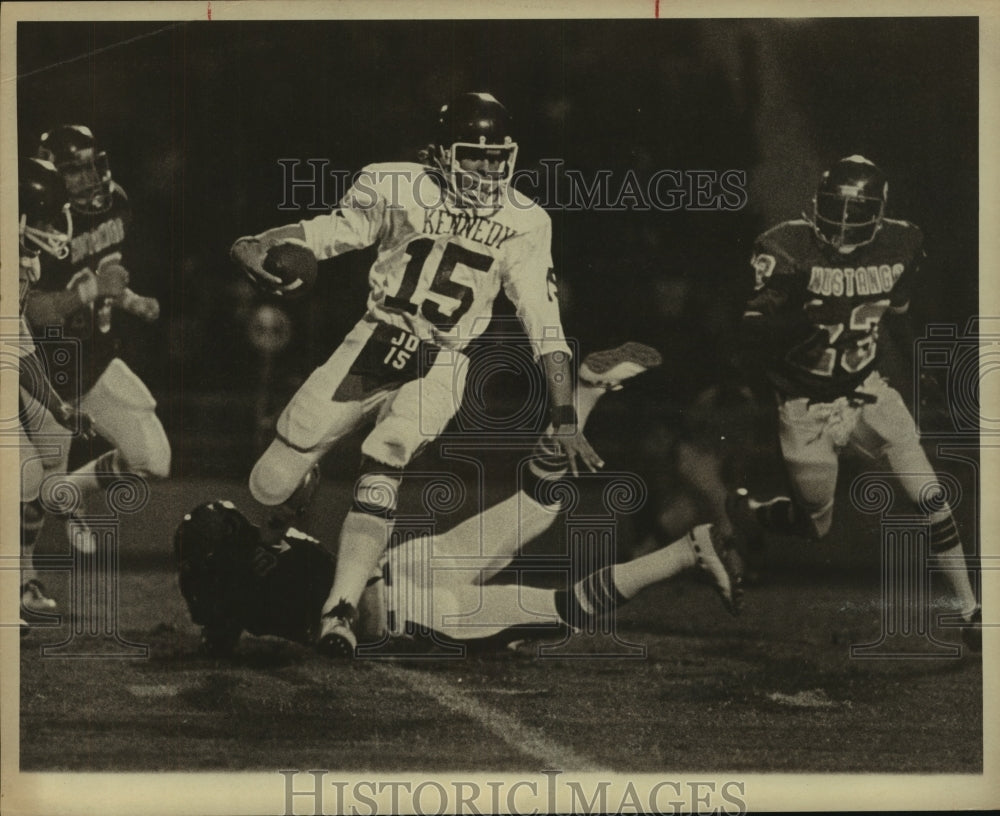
(279, 590)
(97, 239)
(820, 309)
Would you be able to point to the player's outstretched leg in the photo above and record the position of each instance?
(498, 614)
(610, 368)
(601, 593)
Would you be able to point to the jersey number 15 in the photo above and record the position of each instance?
(441, 284)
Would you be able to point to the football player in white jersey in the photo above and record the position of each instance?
(449, 235)
(234, 578)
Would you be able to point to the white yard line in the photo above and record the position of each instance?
(509, 729)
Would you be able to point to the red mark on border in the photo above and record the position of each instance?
(210, 8)
(656, 10)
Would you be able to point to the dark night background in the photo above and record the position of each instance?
(195, 116)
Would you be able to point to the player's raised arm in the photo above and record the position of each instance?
(354, 224)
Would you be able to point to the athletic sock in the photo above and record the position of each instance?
(602, 592)
(363, 540)
(946, 545)
(32, 521)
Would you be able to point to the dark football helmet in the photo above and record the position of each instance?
(475, 148)
(84, 168)
(849, 203)
(45, 222)
(215, 533)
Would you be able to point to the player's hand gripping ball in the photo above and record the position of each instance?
(296, 266)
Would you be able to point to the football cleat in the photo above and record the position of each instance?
(34, 599)
(610, 368)
(972, 631)
(336, 635)
(719, 559)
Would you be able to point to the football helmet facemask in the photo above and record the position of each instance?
(84, 168)
(45, 222)
(849, 203)
(475, 149)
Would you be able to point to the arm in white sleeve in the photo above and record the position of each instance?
(530, 285)
(355, 224)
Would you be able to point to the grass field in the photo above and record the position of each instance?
(773, 690)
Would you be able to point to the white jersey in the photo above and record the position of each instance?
(440, 266)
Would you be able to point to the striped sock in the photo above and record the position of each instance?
(590, 600)
(602, 592)
(944, 535)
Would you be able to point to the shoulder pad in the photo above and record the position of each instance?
(525, 204)
(782, 244)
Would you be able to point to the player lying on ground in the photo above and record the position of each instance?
(46, 225)
(823, 286)
(449, 234)
(235, 579)
(77, 297)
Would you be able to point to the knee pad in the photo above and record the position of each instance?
(149, 454)
(313, 420)
(290, 511)
(279, 473)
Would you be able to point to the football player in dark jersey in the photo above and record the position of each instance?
(822, 287)
(45, 225)
(236, 578)
(76, 297)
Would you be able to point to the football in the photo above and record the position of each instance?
(295, 264)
